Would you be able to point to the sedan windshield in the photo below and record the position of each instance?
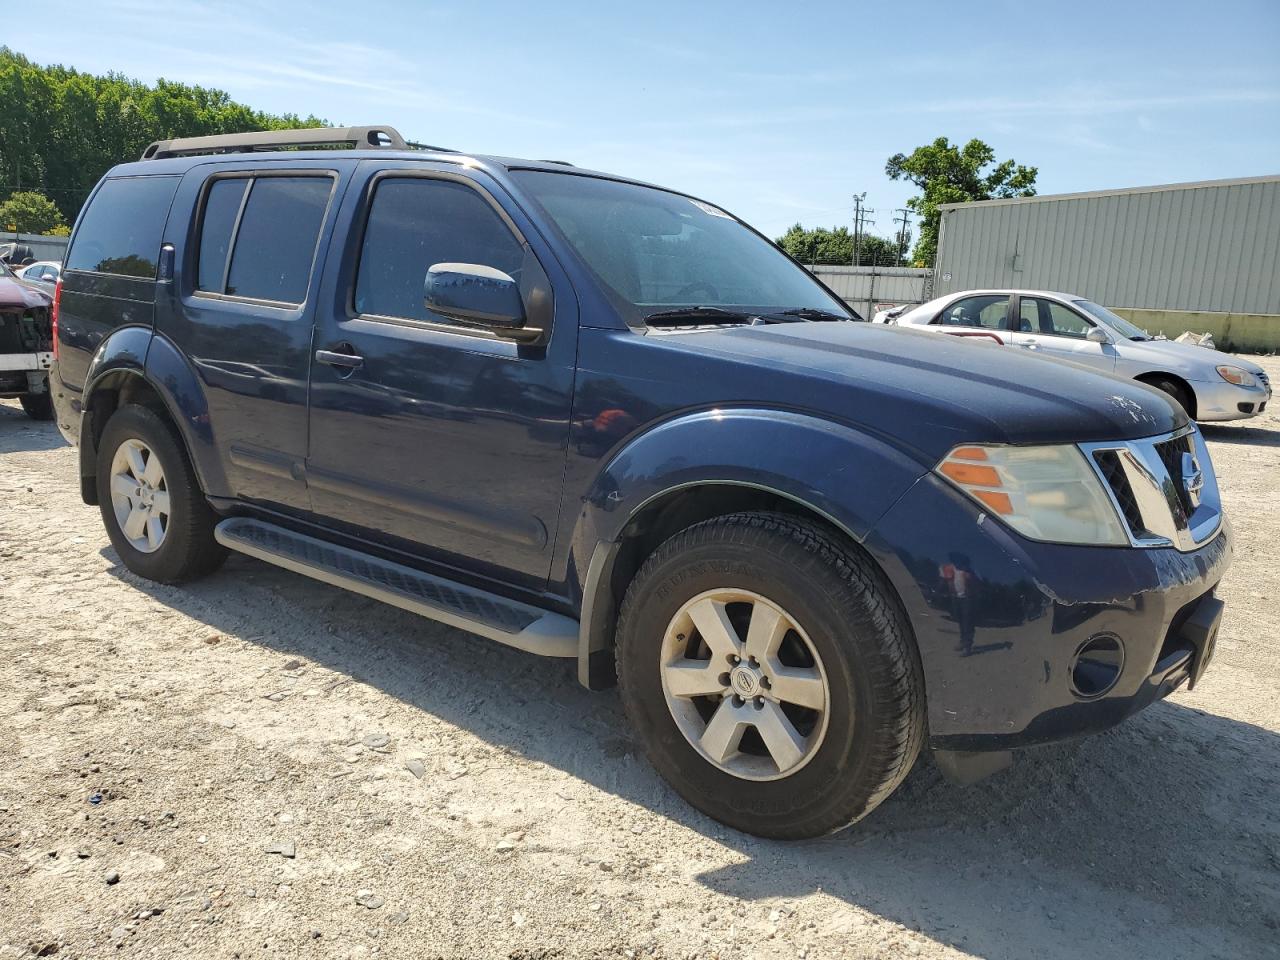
(655, 251)
(1119, 324)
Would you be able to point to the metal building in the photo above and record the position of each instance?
(1183, 256)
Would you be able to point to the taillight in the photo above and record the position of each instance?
(53, 315)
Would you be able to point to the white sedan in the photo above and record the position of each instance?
(1209, 385)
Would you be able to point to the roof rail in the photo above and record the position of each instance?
(359, 138)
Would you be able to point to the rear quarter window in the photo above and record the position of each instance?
(121, 230)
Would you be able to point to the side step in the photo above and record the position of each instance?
(467, 608)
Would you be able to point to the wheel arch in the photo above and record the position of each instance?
(153, 375)
(651, 491)
(1151, 376)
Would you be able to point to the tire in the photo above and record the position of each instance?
(842, 609)
(38, 406)
(185, 549)
(1177, 391)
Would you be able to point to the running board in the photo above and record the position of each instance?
(467, 608)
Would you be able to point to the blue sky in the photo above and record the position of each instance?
(779, 112)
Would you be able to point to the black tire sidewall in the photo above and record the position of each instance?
(1175, 391)
(175, 558)
(37, 406)
(837, 784)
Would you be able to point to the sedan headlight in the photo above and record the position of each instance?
(1045, 493)
(1237, 375)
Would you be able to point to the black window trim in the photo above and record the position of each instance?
(360, 227)
(1047, 299)
(163, 226)
(252, 175)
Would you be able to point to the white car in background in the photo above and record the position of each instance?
(1209, 385)
(43, 273)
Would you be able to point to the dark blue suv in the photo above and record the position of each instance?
(595, 419)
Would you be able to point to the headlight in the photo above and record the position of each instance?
(1236, 375)
(1045, 493)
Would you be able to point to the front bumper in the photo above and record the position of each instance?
(1006, 654)
(1219, 400)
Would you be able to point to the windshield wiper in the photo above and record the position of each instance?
(809, 313)
(696, 314)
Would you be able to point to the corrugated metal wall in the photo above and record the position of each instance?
(1213, 246)
(863, 288)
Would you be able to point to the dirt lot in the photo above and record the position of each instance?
(257, 765)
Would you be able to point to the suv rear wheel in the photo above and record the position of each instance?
(153, 509)
(771, 675)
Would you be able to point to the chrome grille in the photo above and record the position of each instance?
(1170, 453)
(1152, 485)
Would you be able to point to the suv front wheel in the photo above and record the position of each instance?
(771, 675)
(152, 506)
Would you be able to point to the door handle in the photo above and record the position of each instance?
(1029, 344)
(337, 358)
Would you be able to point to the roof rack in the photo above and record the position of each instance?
(360, 138)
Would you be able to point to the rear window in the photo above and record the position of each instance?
(120, 232)
(272, 242)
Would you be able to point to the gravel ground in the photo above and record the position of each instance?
(256, 765)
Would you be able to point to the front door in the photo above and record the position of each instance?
(430, 437)
(1053, 329)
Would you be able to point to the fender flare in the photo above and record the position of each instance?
(847, 476)
(140, 352)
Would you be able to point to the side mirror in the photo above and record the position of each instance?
(1097, 335)
(477, 296)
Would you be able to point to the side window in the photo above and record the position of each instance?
(415, 223)
(221, 207)
(120, 232)
(1052, 319)
(272, 236)
(988, 310)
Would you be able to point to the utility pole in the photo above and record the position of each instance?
(902, 234)
(860, 219)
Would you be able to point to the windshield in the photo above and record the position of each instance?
(655, 251)
(4, 270)
(1122, 326)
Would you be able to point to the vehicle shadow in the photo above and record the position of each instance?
(1159, 838)
(18, 432)
(1260, 436)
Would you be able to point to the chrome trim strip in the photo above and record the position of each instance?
(1164, 520)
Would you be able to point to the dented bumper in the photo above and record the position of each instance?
(1025, 643)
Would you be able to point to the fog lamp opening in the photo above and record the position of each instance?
(1096, 666)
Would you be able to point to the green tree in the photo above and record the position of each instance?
(837, 245)
(948, 173)
(29, 212)
(62, 129)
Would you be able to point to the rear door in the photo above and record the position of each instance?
(438, 439)
(983, 315)
(242, 312)
(1053, 329)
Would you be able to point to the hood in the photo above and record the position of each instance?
(15, 293)
(1192, 362)
(918, 389)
